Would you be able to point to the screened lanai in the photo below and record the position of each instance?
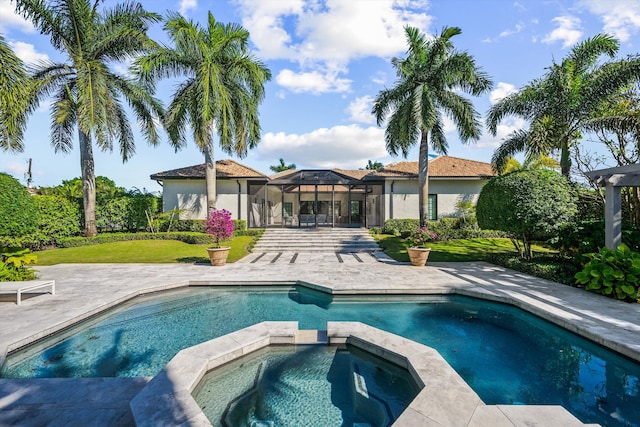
(315, 198)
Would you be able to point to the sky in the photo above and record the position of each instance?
(329, 59)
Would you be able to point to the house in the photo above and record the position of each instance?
(325, 197)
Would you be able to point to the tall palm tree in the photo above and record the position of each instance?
(224, 86)
(15, 84)
(562, 103)
(86, 93)
(428, 80)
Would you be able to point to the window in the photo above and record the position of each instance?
(288, 209)
(433, 207)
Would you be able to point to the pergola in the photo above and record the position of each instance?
(612, 180)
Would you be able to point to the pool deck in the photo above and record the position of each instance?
(82, 290)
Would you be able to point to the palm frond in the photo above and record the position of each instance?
(515, 143)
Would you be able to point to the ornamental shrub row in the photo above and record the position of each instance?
(182, 236)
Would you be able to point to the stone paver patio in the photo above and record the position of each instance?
(83, 290)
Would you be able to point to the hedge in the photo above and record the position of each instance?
(186, 237)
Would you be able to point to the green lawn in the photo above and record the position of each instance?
(141, 251)
(453, 250)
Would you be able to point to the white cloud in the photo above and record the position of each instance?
(347, 147)
(186, 5)
(621, 18)
(503, 90)
(518, 28)
(322, 36)
(27, 52)
(568, 31)
(506, 126)
(15, 169)
(9, 19)
(360, 110)
(312, 81)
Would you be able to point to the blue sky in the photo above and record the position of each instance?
(329, 59)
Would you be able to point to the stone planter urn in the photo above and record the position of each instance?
(418, 256)
(218, 256)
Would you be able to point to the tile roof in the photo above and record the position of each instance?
(224, 169)
(440, 167)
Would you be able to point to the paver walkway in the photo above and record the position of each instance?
(82, 290)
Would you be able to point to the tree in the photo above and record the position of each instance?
(18, 211)
(617, 127)
(563, 103)
(282, 166)
(224, 86)
(530, 205)
(374, 166)
(531, 162)
(86, 93)
(427, 86)
(15, 84)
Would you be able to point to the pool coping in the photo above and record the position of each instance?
(444, 398)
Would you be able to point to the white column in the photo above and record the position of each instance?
(613, 216)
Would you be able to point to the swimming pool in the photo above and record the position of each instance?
(506, 355)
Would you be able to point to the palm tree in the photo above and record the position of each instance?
(374, 166)
(224, 86)
(15, 84)
(428, 80)
(282, 166)
(86, 93)
(530, 163)
(563, 103)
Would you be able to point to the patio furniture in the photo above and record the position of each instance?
(307, 219)
(19, 288)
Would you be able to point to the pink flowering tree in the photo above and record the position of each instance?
(220, 225)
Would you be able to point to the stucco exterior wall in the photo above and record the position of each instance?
(403, 202)
(190, 197)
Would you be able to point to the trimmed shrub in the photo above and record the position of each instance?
(59, 217)
(190, 225)
(18, 211)
(530, 205)
(583, 237)
(400, 226)
(550, 267)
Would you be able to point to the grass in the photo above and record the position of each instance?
(142, 251)
(453, 250)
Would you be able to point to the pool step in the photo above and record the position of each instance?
(311, 336)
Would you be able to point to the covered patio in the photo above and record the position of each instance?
(316, 198)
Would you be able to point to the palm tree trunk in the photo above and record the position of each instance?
(210, 178)
(565, 159)
(88, 184)
(423, 178)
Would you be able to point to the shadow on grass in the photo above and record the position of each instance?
(193, 260)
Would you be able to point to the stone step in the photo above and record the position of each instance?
(344, 240)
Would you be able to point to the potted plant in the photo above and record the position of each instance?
(419, 240)
(219, 225)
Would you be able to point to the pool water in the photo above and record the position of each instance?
(505, 354)
(306, 386)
